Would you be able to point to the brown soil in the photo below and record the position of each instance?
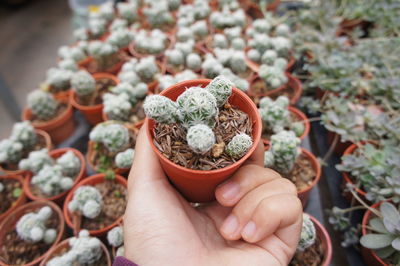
(103, 160)
(171, 141)
(16, 251)
(7, 197)
(62, 107)
(95, 66)
(114, 204)
(312, 256)
(303, 173)
(266, 134)
(103, 86)
(101, 262)
(245, 75)
(40, 144)
(171, 69)
(288, 91)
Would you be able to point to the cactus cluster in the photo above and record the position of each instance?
(147, 69)
(308, 234)
(36, 161)
(158, 14)
(240, 83)
(69, 163)
(117, 106)
(152, 42)
(115, 236)
(120, 37)
(24, 133)
(84, 250)
(51, 180)
(114, 136)
(58, 79)
(10, 151)
(196, 111)
(102, 52)
(166, 81)
(31, 227)
(42, 104)
(128, 11)
(283, 153)
(76, 53)
(124, 159)
(274, 114)
(211, 67)
(87, 200)
(274, 76)
(83, 83)
(227, 18)
(234, 59)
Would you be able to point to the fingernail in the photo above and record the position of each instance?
(230, 190)
(249, 230)
(230, 225)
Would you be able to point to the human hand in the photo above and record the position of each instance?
(256, 219)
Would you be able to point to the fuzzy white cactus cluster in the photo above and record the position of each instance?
(274, 76)
(102, 52)
(32, 228)
(124, 159)
(36, 161)
(42, 104)
(147, 69)
(120, 37)
(167, 80)
(240, 83)
(182, 55)
(115, 238)
(189, 14)
(158, 13)
(69, 163)
(24, 133)
(76, 53)
(308, 234)
(283, 153)
(128, 11)
(228, 18)
(211, 67)
(51, 180)
(114, 136)
(83, 83)
(84, 250)
(196, 110)
(153, 42)
(234, 59)
(10, 151)
(59, 78)
(86, 200)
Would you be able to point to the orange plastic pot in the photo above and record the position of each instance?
(9, 223)
(91, 181)
(59, 199)
(64, 245)
(323, 235)
(49, 146)
(59, 128)
(369, 256)
(92, 113)
(197, 185)
(20, 201)
(304, 194)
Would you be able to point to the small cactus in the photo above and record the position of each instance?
(101, 52)
(254, 55)
(68, 65)
(269, 57)
(200, 138)
(117, 24)
(36, 161)
(124, 159)
(185, 47)
(115, 236)
(275, 114)
(59, 79)
(24, 133)
(237, 62)
(273, 76)
(128, 11)
(32, 227)
(83, 83)
(220, 41)
(88, 201)
(238, 44)
(115, 137)
(42, 104)
(186, 74)
(158, 14)
(175, 57)
(129, 76)
(281, 44)
(283, 153)
(240, 83)
(135, 92)
(308, 234)
(184, 34)
(211, 67)
(120, 251)
(193, 61)
(239, 145)
(152, 43)
(97, 26)
(199, 29)
(120, 37)
(69, 163)
(117, 107)
(221, 88)
(10, 151)
(75, 53)
(147, 68)
(51, 180)
(161, 109)
(166, 81)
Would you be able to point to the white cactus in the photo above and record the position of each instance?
(51, 180)
(199, 29)
(75, 53)
(147, 68)
(200, 138)
(83, 83)
(151, 43)
(211, 67)
(308, 234)
(115, 236)
(269, 57)
(239, 145)
(88, 201)
(220, 41)
(10, 151)
(221, 88)
(275, 114)
(184, 34)
(273, 76)
(114, 136)
(161, 109)
(117, 107)
(175, 57)
(42, 104)
(193, 61)
(158, 13)
(32, 227)
(124, 159)
(120, 37)
(128, 11)
(24, 133)
(254, 55)
(69, 163)
(36, 161)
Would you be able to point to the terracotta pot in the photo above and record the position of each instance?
(8, 224)
(59, 128)
(197, 185)
(323, 235)
(305, 193)
(92, 113)
(136, 54)
(293, 84)
(369, 256)
(340, 146)
(20, 201)
(64, 245)
(59, 199)
(49, 146)
(91, 181)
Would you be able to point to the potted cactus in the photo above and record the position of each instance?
(197, 117)
(178, 59)
(380, 234)
(227, 18)
(96, 204)
(150, 43)
(23, 139)
(11, 194)
(165, 81)
(29, 232)
(115, 238)
(158, 16)
(111, 147)
(80, 250)
(315, 247)
(53, 173)
(87, 93)
(58, 79)
(49, 114)
(278, 115)
(284, 155)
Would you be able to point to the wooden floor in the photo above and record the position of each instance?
(29, 39)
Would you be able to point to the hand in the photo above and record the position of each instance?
(256, 219)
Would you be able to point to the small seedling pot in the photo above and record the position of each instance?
(198, 185)
(9, 223)
(323, 235)
(59, 199)
(91, 181)
(369, 256)
(59, 128)
(64, 245)
(21, 199)
(92, 113)
(49, 146)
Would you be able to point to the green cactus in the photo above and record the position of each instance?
(308, 234)
(161, 109)
(239, 145)
(274, 114)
